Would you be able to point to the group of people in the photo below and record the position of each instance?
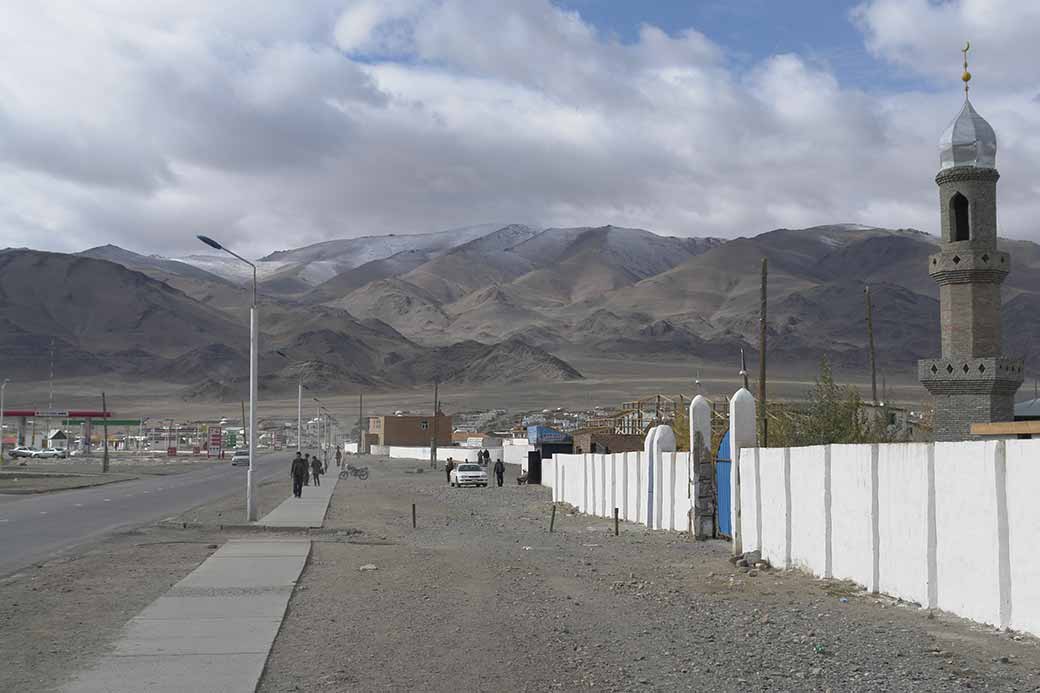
(303, 469)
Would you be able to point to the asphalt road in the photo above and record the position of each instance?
(34, 528)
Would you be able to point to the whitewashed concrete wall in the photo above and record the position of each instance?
(456, 453)
(515, 454)
(596, 484)
(952, 526)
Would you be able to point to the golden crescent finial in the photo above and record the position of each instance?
(966, 77)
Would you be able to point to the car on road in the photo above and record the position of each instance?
(48, 453)
(468, 474)
(240, 457)
(20, 451)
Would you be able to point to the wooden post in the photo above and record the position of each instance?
(104, 424)
(433, 442)
(762, 360)
(413, 515)
(552, 518)
(615, 522)
(870, 341)
(361, 423)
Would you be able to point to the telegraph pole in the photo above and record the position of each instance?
(870, 341)
(762, 360)
(433, 442)
(104, 427)
(361, 422)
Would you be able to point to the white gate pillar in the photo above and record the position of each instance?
(743, 433)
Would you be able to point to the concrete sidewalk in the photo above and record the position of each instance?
(212, 631)
(305, 512)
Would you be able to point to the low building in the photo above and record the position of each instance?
(410, 431)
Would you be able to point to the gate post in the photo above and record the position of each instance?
(742, 434)
(702, 482)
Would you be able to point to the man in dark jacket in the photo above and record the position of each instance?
(500, 471)
(316, 470)
(448, 466)
(297, 471)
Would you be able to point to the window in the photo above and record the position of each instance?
(424, 425)
(959, 228)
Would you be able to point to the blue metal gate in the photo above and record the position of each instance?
(722, 487)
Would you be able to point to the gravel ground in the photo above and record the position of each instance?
(482, 597)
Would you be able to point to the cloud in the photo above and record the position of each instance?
(280, 124)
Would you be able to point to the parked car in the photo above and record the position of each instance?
(20, 451)
(48, 453)
(468, 474)
(240, 457)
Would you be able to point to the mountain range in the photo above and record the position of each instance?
(489, 303)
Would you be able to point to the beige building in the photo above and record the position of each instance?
(410, 431)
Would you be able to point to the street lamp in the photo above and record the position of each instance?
(3, 386)
(253, 327)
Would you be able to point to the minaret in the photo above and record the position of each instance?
(972, 382)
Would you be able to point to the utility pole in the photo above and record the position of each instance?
(104, 431)
(244, 438)
(870, 342)
(762, 360)
(436, 408)
(361, 422)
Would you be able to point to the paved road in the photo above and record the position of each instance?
(36, 527)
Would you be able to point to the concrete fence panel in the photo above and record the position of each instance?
(967, 539)
(774, 510)
(1023, 512)
(903, 520)
(750, 492)
(852, 519)
(809, 511)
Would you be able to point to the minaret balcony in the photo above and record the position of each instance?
(962, 264)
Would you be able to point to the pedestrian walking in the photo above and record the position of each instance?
(316, 471)
(307, 469)
(500, 471)
(339, 457)
(297, 471)
(448, 466)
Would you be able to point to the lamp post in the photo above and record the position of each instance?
(299, 405)
(3, 386)
(253, 327)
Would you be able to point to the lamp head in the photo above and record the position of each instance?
(210, 242)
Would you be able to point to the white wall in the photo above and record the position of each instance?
(1023, 513)
(946, 525)
(443, 453)
(596, 484)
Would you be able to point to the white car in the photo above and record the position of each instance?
(240, 457)
(468, 474)
(48, 453)
(20, 451)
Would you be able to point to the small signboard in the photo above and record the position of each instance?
(171, 452)
(216, 438)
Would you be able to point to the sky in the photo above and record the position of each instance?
(279, 124)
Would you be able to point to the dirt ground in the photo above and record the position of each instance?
(482, 597)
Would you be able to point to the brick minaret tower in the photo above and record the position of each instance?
(972, 382)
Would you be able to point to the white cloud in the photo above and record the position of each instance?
(283, 123)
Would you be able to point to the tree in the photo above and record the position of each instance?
(833, 413)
